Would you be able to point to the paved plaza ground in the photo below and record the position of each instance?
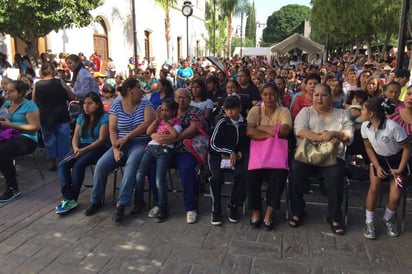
(33, 239)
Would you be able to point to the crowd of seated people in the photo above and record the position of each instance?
(252, 100)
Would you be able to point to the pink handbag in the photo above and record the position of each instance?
(199, 145)
(270, 153)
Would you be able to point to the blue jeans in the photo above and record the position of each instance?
(186, 163)
(133, 152)
(71, 172)
(161, 155)
(56, 139)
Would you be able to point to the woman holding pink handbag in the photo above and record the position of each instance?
(268, 125)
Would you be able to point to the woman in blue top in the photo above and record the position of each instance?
(184, 75)
(90, 141)
(24, 117)
(129, 118)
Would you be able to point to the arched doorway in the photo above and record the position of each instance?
(100, 44)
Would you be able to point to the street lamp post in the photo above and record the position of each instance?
(187, 11)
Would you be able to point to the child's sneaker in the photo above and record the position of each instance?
(216, 219)
(369, 231)
(161, 216)
(9, 194)
(391, 228)
(232, 214)
(65, 206)
(153, 212)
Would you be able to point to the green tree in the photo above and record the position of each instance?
(167, 5)
(219, 31)
(250, 31)
(355, 23)
(228, 8)
(285, 22)
(32, 19)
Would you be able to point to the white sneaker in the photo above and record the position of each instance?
(153, 212)
(191, 216)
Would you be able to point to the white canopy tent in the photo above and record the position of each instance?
(297, 41)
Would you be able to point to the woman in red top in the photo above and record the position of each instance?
(305, 98)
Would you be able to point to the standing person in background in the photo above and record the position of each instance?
(184, 75)
(51, 95)
(4, 64)
(153, 66)
(82, 80)
(20, 63)
(97, 62)
(110, 68)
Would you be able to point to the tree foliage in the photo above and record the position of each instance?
(167, 5)
(32, 19)
(218, 29)
(285, 22)
(250, 30)
(354, 22)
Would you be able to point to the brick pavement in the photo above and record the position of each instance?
(33, 239)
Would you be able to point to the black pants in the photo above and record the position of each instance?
(334, 176)
(275, 178)
(217, 179)
(358, 147)
(8, 151)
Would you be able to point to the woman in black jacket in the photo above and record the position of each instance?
(228, 146)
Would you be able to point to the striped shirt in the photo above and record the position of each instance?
(127, 123)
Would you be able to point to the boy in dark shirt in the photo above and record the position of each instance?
(228, 146)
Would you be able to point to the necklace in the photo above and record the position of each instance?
(14, 106)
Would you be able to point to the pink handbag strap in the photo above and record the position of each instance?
(198, 127)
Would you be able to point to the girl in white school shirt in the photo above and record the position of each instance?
(387, 146)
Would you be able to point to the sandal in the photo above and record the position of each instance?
(296, 220)
(336, 227)
(255, 223)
